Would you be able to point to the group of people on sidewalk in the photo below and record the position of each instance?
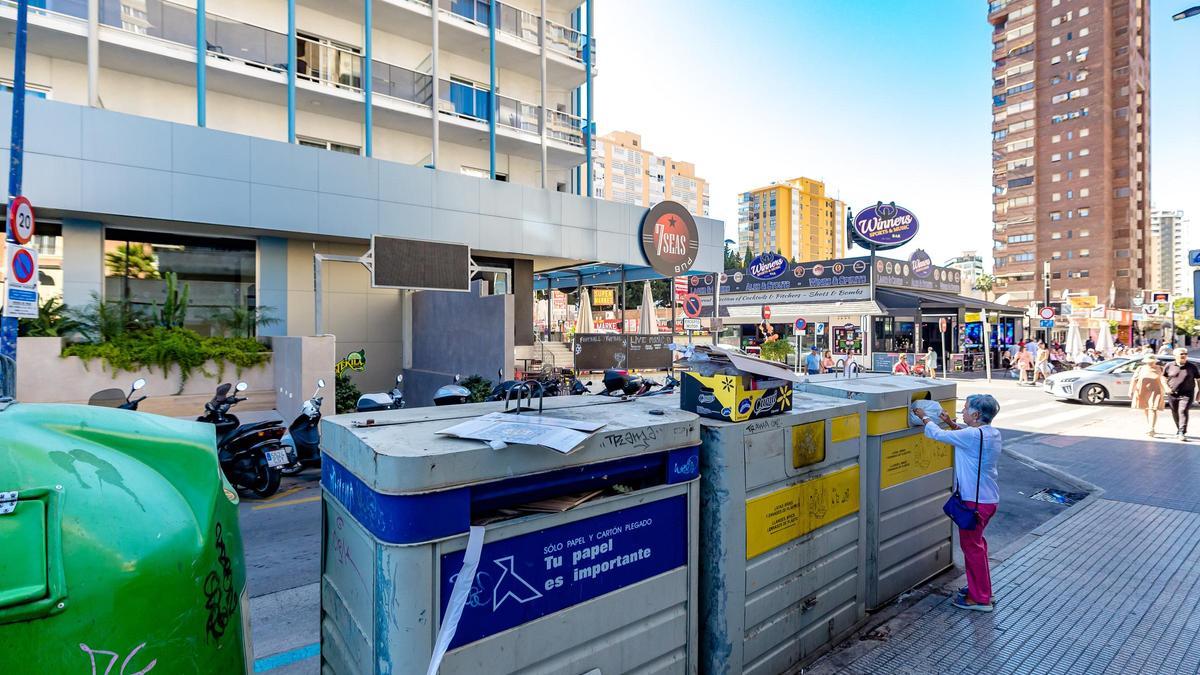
(1153, 386)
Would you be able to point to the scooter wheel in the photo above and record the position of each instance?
(265, 480)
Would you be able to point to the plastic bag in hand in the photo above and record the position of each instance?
(932, 409)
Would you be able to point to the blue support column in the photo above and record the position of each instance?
(291, 73)
(368, 105)
(201, 58)
(587, 66)
(8, 324)
(492, 90)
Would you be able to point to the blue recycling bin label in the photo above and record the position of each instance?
(532, 575)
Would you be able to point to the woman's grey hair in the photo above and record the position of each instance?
(985, 405)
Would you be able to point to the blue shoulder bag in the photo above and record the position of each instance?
(956, 508)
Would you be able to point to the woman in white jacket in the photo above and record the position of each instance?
(977, 447)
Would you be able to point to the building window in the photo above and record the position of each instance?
(1056, 235)
(1084, 233)
(311, 142)
(37, 91)
(1021, 257)
(1057, 196)
(1020, 182)
(1020, 238)
(1056, 255)
(1056, 157)
(219, 272)
(1056, 215)
(1083, 213)
(1084, 253)
(1084, 152)
(1056, 138)
(1084, 173)
(1084, 192)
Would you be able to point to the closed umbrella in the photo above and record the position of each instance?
(647, 317)
(1104, 341)
(1074, 342)
(583, 323)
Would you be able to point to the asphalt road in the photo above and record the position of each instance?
(283, 538)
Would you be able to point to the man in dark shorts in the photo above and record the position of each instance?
(1181, 389)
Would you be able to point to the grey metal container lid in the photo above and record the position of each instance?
(880, 392)
(405, 454)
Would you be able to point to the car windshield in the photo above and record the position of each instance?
(1105, 366)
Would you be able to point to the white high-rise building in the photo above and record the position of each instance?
(1169, 269)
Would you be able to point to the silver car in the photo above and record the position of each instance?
(1105, 381)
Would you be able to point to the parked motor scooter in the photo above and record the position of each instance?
(393, 400)
(251, 455)
(303, 435)
(118, 398)
(452, 394)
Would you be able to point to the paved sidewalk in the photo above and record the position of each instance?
(1111, 589)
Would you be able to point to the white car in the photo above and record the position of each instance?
(1105, 381)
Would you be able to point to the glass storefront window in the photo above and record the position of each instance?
(220, 273)
(49, 244)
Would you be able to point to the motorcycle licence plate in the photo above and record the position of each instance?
(277, 458)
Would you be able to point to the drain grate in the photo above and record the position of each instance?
(1058, 496)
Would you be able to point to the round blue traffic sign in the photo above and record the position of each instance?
(22, 266)
(692, 306)
(801, 324)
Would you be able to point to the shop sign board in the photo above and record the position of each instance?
(691, 324)
(920, 264)
(793, 296)
(604, 296)
(767, 266)
(670, 239)
(884, 226)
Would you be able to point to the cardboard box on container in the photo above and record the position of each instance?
(732, 397)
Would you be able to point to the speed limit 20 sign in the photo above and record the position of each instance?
(20, 219)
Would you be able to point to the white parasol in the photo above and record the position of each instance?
(647, 317)
(583, 323)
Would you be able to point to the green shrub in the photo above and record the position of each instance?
(347, 393)
(53, 320)
(479, 388)
(777, 350)
(160, 347)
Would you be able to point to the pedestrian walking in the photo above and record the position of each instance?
(812, 362)
(1181, 390)
(1148, 390)
(931, 363)
(1089, 344)
(827, 364)
(1041, 363)
(1024, 364)
(977, 447)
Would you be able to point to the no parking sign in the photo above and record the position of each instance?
(20, 283)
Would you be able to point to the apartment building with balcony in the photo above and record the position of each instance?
(1070, 153)
(795, 218)
(1169, 268)
(305, 127)
(625, 171)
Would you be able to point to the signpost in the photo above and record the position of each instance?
(8, 324)
(942, 334)
(801, 324)
(1047, 314)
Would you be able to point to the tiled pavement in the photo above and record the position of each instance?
(1112, 589)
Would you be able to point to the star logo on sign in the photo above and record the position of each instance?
(727, 385)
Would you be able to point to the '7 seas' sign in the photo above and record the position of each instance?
(670, 239)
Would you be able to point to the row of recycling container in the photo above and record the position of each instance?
(667, 543)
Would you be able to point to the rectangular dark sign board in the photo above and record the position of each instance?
(420, 265)
(597, 351)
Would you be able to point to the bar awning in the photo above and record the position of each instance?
(912, 299)
(810, 311)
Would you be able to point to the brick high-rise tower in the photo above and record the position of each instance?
(1071, 146)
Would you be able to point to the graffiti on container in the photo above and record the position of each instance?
(692, 465)
(220, 598)
(344, 554)
(640, 438)
(113, 656)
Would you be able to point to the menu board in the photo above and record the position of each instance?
(598, 351)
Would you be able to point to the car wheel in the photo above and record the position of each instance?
(1093, 394)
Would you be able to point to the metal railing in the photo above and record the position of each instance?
(517, 22)
(567, 41)
(328, 63)
(463, 99)
(73, 8)
(246, 42)
(153, 18)
(402, 83)
(517, 114)
(565, 127)
(476, 11)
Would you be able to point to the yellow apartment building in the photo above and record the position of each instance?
(793, 217)
(624, 171)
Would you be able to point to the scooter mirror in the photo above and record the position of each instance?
(321, 383)
(242, 386)
(500, 374)
(457, 377)
(399, 379)
(139, 383)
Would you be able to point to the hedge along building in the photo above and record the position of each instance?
(244, 216)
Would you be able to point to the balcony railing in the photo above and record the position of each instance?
(401, 83)
(155, 18)
(327, 63)
(567, 41)
(75, 8)
(468, 101)
(517, 22)
(475, 11)
(245, 42)
(521, 24)
(565, 127)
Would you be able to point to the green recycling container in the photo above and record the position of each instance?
(120, 551)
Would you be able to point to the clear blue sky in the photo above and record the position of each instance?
(881, 99)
